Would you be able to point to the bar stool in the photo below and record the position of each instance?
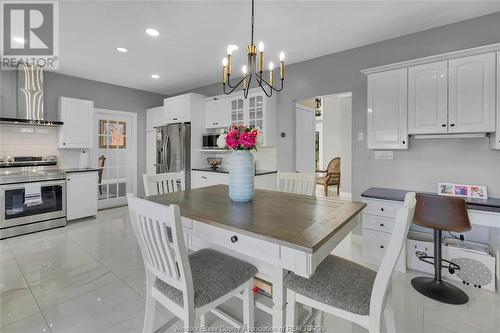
(441, 214)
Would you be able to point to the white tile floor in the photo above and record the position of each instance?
(88, 277)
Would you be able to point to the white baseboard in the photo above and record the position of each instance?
(345, 195)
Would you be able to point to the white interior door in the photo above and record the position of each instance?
(116, 142)
(305, 135)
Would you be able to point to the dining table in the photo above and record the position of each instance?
(277, 232)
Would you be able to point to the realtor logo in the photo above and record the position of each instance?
(30, 34)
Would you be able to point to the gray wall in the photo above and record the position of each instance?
(105, 96)
(427, 161)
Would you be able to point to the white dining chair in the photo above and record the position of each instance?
(187, 286)
(351, 291)
(297, 183)
(162, 183)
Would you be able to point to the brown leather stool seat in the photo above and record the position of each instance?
(441, 214)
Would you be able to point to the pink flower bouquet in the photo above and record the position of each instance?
(240, 138)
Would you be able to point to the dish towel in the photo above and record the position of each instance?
(32, 194)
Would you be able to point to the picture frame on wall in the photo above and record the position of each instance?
(446, 189)
(461, 190)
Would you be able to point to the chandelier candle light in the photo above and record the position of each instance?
(253, 68)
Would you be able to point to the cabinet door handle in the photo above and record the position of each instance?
(64, 143)
(382, 209)
(381, 246)
(452, 125)
(381, 224)
(68, 179)
(203, 177)
(404, 142)
(174, 118)
(444, 125)
(234, 239)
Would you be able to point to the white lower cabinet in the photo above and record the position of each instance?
(378, 220)
(204, 179)
(81, 194)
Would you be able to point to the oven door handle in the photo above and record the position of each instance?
(42, 183)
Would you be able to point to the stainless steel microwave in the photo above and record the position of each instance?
(210, 141)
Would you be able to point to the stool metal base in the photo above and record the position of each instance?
(439, 290)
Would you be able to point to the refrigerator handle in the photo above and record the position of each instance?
(168, 153)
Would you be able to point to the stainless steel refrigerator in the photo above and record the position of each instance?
(173, 149)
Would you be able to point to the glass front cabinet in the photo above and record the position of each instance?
(257, 110)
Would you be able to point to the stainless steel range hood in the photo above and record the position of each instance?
(30, 98)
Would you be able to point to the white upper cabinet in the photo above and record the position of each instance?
(217, 113)
(78, 118)
(495, 137)
(257, 110)
(155, 117)
(387, 110)
(428, 98)
(237, 109)
(472, 94)
(178, 109)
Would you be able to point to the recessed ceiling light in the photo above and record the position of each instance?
(121, 49)
(152, 32)
(18, 40)
(155, 76)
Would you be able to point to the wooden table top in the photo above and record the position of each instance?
(297, 221)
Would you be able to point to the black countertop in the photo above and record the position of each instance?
(223, 170)
(490, 204)
(73, 170)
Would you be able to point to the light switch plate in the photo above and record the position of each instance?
(361, 136)
(384, 155)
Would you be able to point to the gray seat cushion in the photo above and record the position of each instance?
(214, 275)
(337, 282)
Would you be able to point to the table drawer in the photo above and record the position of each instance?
(237, 242)
(381, 208)
(378, 223)
(374, 245)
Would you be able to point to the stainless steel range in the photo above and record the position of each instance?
(32, 195)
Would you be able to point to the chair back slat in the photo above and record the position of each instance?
(297, 183)
(164, 183)
(404, 219)
(158, 229)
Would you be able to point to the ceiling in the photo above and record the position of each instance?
(194, 34)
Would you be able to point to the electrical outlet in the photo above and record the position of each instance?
(384, 155)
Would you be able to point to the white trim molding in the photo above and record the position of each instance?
(434, 58)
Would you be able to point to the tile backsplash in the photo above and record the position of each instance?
(19, 140)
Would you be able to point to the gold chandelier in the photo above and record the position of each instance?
(253, 69)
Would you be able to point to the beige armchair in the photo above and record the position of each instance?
(330, 176)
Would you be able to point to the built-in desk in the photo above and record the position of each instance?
(379, 216)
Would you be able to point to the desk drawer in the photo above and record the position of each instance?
(237, 242)
(374, 245)
(381, 207)
(378, 223)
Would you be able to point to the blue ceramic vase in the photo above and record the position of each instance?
(241, 176)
